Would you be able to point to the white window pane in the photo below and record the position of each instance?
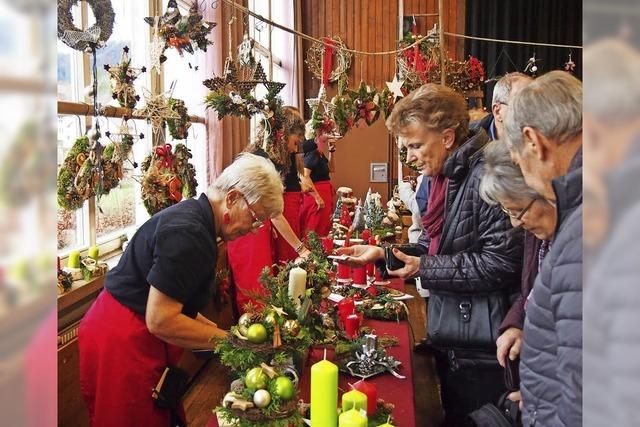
(129, 30)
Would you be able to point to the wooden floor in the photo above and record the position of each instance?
(213, 380)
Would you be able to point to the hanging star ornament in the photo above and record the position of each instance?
(156, 110)
(156, 49)
(184, 33)
(570, 65)
(321, 101)
(395, 87)
(122, 77)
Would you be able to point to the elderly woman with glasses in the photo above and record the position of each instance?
(149, 310)
(471, 262)
(504, 185)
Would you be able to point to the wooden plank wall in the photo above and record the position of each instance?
(370, 25)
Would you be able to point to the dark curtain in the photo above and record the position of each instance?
(540, 21)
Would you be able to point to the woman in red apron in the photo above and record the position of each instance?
(149, 310)
(280, 241)
(318, 206)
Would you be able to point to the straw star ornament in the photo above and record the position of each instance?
(156, 110)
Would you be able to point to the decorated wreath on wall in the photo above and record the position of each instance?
(95, 36)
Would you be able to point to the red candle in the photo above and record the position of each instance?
(58, 259)
(365, 235)
(346, 307)
(369, 389)
(378, 275)
(359, 275)
(344, 271)
(370, 269)
(351, 325)
(327, 245)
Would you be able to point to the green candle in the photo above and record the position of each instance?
(352, 418)
(387, 424)
(324, 394)
(93, 252)
(354, 399)
(74, 259)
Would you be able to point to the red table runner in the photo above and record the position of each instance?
(391, 389)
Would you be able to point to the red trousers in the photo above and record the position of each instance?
(314, 219)
(120, 362)
(292, 209)
(248, 256)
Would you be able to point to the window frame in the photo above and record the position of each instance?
(111, 244)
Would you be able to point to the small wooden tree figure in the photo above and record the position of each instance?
(358, 219)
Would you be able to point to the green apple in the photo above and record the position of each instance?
(256, 379)
(257, 333)
(284, 388)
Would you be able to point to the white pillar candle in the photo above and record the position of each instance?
(297, 284)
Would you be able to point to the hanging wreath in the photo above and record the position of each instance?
(420, 64)
(88, 172)
(179, 128)
(320, 59)
(94, 37)
(167, 177)
(366, 102)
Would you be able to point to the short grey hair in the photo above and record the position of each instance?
(256, 178)
(502, 180)
(611, 74)
(551, 104)
(502, 89)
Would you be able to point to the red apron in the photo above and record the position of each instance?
(120, 362)
(248, 256)
(292, 209)
(314, 219)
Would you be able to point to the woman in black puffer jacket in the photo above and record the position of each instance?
(472, 258)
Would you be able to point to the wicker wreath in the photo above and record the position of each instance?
(94, 37)
(315, 57)
(286, 410)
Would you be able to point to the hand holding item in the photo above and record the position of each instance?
(411, 265)
(516, 397)
(509, 344)
(360, 254)
(304, 253)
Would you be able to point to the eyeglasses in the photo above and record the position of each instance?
(503, 103)
(518, 215)
(256, 222)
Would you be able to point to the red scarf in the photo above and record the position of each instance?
(433, 219)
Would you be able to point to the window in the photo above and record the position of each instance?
(106, 220)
